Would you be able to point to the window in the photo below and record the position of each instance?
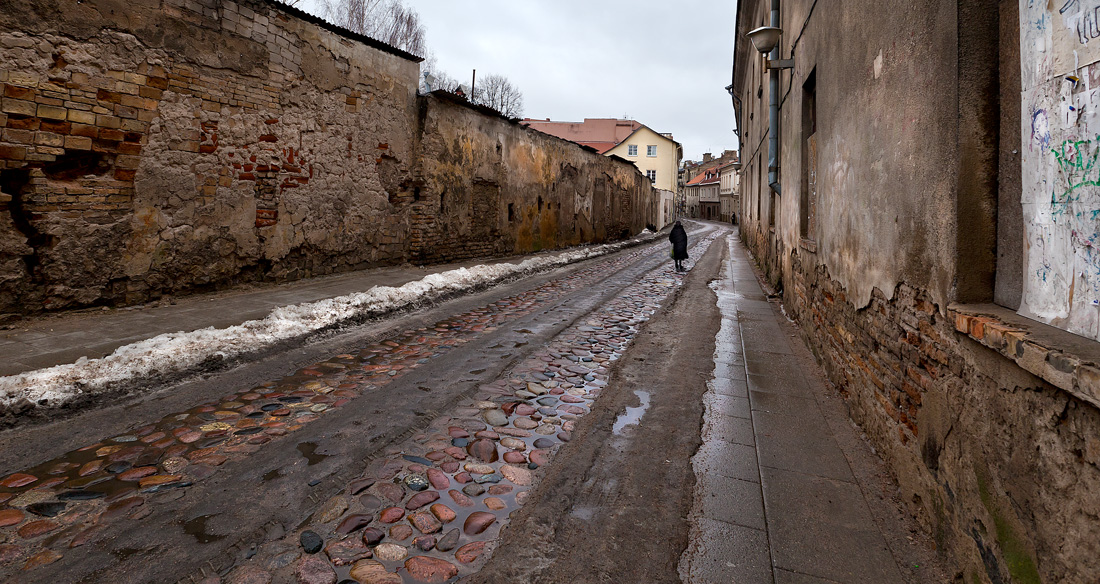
(651, 151)
(651, 175)
(808, 202)
(632, 150)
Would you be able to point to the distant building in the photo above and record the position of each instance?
(729, 194)
(656, 155)
(702, 196)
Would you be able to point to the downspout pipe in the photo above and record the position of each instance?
(773, 110)
(737, 107)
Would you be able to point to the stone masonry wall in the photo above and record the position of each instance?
(1001, 466)
(496, 187)
(164, 147)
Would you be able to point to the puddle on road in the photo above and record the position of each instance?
(309, 450)
(585, 513)
(631, 416)
(197, 528)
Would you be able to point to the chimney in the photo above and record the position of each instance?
(707, 157)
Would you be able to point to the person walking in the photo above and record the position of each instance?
(679, 239)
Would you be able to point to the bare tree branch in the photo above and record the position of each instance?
(497, 92)
(389, 21)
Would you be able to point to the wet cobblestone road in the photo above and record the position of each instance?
(425, 511)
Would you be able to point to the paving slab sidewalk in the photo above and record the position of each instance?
(46, 341)
(776, 498)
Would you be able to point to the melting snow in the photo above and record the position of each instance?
(180, 351)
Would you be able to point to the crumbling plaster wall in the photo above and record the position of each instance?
(173, 146)
(493, 186)
(1000, 465)
(886, 179)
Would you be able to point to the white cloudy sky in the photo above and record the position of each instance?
(664, 63)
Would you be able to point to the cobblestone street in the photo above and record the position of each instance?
(404, 459)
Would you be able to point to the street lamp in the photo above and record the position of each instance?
(765, 39)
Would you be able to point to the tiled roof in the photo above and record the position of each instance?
(704, 178)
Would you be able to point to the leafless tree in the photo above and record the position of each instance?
(497, 92)
(389, 21)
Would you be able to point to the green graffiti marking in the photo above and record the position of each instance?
(1077, 161)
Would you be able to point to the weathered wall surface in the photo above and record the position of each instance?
(172, 146)
(1002, 466)
(1060, 53)
(886, 207)
(495, 187)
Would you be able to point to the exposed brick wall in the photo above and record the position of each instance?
(185, 145)
(998, 464)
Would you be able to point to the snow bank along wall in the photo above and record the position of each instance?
(158, 147)
(918, 215)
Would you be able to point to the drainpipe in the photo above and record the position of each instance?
(773, 110)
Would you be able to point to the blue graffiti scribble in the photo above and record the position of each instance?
(1041, 24)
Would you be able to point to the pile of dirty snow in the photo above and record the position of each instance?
(172, 353)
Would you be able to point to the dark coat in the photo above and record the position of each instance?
(679, 239)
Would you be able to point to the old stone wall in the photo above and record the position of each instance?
(164, 147)
(495, 187)
(1000, 465)
(881, 240)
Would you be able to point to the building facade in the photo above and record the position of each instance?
(729, 194)
(656, 155)
(702, 195)
(920, 187)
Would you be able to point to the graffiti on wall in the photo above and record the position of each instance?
(1060, 155)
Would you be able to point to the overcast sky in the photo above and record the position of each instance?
(663, 63)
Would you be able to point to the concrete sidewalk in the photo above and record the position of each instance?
(59, 339)
(776, 499)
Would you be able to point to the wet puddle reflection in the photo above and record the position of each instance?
(631, 416)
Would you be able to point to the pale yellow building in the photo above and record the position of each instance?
(656, 155)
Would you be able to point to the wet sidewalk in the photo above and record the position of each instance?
(51, 340)
(776, 499)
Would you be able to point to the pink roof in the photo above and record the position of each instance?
(601, 147)
(603, 134)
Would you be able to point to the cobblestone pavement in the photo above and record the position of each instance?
(425, 510)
